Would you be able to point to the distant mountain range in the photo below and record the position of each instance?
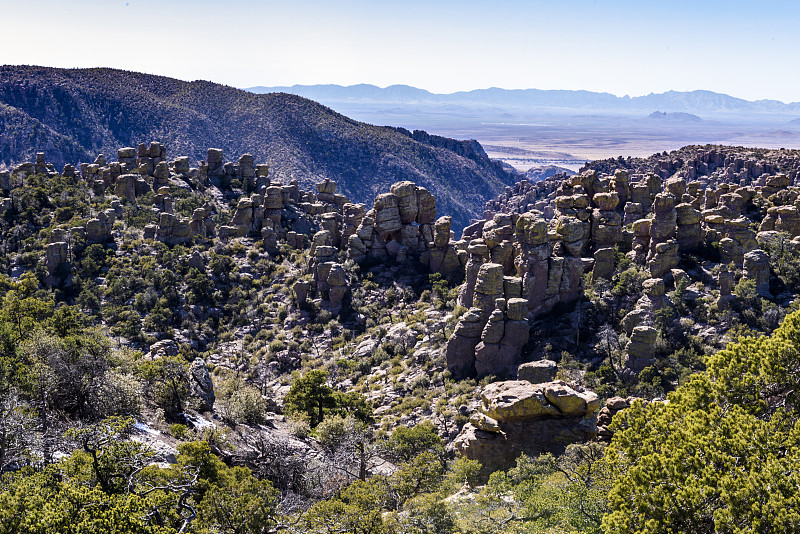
(671, 101)
(73, 114)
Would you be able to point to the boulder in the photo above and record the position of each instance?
(603, 264)
(201, 387)
(426, 212)
(756, 268)
(406, 193)
(387, 215)
(460, 351)
(516, 308)
(640, 348)
(517, 417)
(515, 400)
(490, 279)
(606, 201)
(538, 372)
(161, 349)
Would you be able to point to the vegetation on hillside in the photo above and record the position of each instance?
(73, 115)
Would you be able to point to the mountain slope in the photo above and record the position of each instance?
(86, 111)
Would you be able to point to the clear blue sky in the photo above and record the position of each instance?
(746, 49)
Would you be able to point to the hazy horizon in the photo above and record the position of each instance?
(322, 84)
(620, 47)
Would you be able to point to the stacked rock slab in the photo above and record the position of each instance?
(172, 230)
(533, 260)
(756, 268)
(517, 417)
(664, 254)
(401, 225)
(640, 348)
(538, 371)
(490, 337)
(605, 416)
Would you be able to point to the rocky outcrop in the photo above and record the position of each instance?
(756, 268)
(130, 186)
(247, 220)
(162, 349)
(400, 227)
(518, 417)
(330, 281)
(640, 348)
(202, 223)
(201, 387)
(170, 229)
(490, 337)
(98, 230)
(56, 262)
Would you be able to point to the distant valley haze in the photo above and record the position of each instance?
(530, 127)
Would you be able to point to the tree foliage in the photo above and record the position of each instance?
(722, 454)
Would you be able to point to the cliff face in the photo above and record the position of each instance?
(72, 115)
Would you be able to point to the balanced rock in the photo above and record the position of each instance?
(538, 372)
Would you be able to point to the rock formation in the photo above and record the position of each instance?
(538, 371)
(517, 417)
(613, 406)
(201, 387)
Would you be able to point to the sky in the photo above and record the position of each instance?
(746, 49)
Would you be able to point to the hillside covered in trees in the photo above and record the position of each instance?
(74, 114)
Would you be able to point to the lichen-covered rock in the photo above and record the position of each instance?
(568, 401)
(517, 417)
(640, 348)
(490, 279)
(516, 308)
(606, 201)
(654, 287)
(663, 258)
(531, 230)
(515, 400)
